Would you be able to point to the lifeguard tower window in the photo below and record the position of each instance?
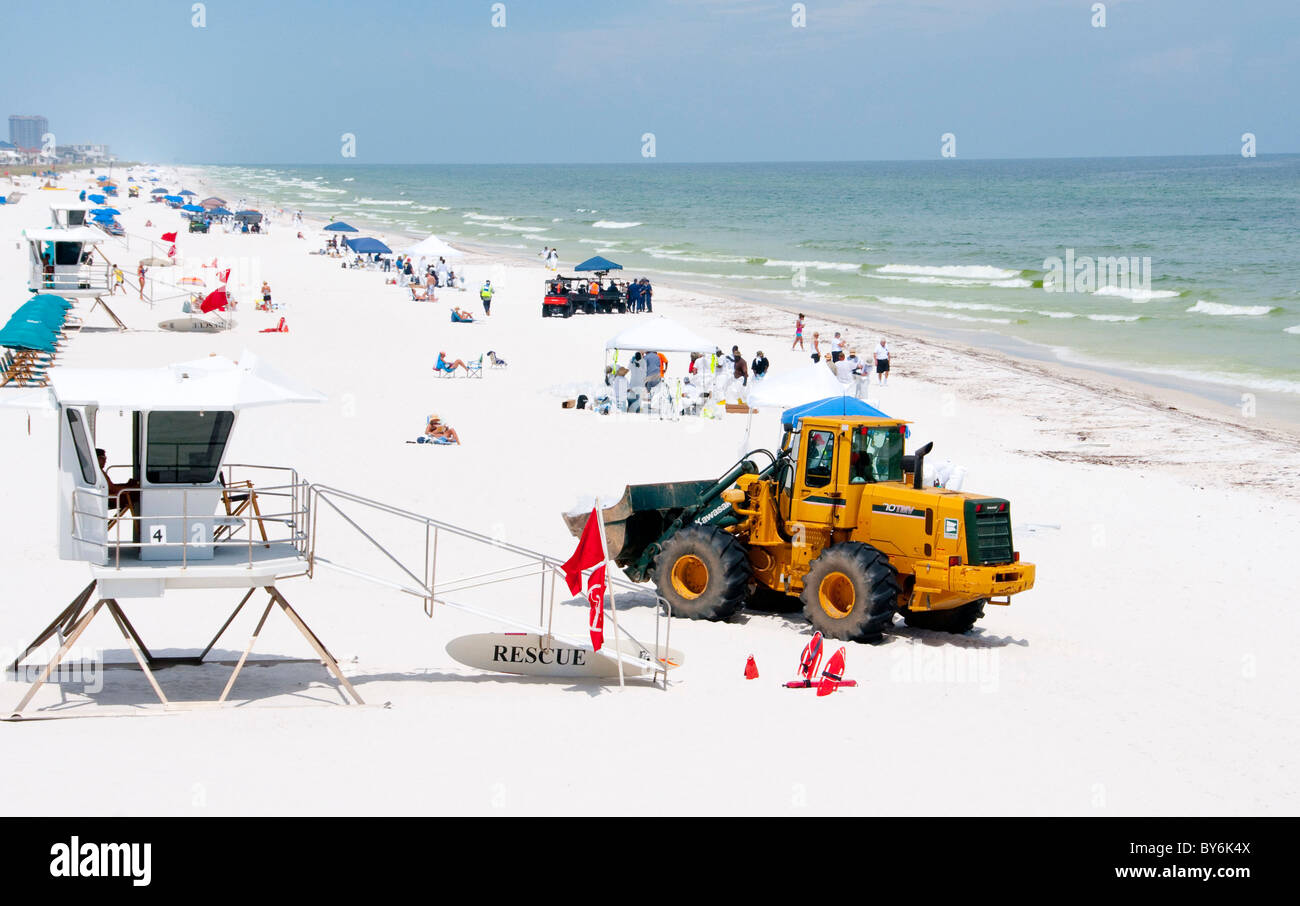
(67, 254)
(82, 443)
(186, 447)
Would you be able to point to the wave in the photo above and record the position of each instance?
(956, 306)
(1295, 329)
(1010, 283)
(1137, 295)
(674, 255)
(1218, 308)
(814, 265)
(605, 242)
(517, 229)
(474, 215)
(382, 202)
(1115, 318)
(616, 224)
(976, 271)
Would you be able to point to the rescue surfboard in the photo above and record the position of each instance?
(524, 654)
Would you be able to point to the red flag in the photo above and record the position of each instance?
(224, 276)
(591, 550)
(168, 237)
(596, 595)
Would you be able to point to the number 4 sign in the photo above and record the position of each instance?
(158, 534)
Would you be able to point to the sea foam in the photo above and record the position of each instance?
(1218, 308)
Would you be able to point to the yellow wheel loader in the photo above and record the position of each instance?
(839, 518)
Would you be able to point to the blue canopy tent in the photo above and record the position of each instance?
(599, 265)
(368, 246)
(219, 212)
(113, 211)
(340, 227)
(832, 405)
(192, 208)
(98, 199)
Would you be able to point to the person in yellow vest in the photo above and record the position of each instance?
(486, 295)
(118, 278)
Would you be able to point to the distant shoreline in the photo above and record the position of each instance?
(1202, 400)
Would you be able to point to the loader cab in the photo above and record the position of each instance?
(831, 461)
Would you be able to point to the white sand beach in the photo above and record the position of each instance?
(1148, 671)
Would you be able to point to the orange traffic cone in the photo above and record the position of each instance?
(751, 668)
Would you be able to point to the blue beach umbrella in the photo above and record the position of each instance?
(192, 208)
(368, 246)
(174, 199)
(23, 335)
(158, 191)
(101, 216)
(340, 227)
(186, 192)
(113, 211)
(98, 199)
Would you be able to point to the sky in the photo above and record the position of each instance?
(713, 80)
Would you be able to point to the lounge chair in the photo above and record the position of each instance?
(457, 319)
(238, 497)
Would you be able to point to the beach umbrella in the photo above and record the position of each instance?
(173, 199)
(599, 265)
(158, 262)
(23, 335)
(158, 191)
(340, 227)
(101, 216)
(192, 208)
(368, 246)
(101, 178)
(186, 192)
(113, 211)
(98, 199)
(217, 300)
(219, 212)
(213, 202)
(251, 216)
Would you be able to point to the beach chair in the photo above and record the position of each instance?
(475, 368)
(238, 498)
(457, 319)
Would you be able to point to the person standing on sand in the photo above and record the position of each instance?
(798, 333)
(647, 294)
(817, 347)
(486, 295)
(882, 363)
(139, 272)
(837, 351)
(119, 279)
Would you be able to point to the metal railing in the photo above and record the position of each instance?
(72, 278)
(432, 590)
(255, 527)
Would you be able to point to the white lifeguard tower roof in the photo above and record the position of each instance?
(215, 383)
(75, 234)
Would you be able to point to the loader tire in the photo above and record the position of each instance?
(704, 573)
(851, 592)
(958, 620)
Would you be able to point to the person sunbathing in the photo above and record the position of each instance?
(440, 433)
(450, 367)
(417, 296)
(460, 316)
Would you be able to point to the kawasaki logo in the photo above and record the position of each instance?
(715, 512)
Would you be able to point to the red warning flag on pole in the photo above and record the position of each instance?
(224, 276)
(590, 551)
(168, 237)
(596, 595)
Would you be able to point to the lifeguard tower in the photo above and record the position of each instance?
(62, 261)
(68, 215)
(180, 516)
(185, 517)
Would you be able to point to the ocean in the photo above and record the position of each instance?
(1183, 269)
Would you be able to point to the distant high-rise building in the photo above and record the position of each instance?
(26, 131)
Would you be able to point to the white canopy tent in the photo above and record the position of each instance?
(432, 247)
(794, 388)
(660, 335)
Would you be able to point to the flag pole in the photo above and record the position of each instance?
(609, 594)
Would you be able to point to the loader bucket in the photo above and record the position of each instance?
(642, 515)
